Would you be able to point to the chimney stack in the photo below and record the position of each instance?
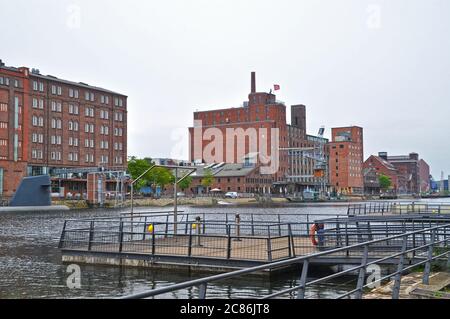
(253, 82)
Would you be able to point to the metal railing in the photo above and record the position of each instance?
(399, 208)
(409, 255)
(239, 239)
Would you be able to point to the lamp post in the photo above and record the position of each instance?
(176, 181)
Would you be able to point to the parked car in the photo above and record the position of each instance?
(181, 194)
(231, 195)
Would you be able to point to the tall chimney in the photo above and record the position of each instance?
(253, 82)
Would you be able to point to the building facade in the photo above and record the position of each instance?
(424, 177)
(240, 178)
(383, 167)
(413, 173)
(346, 160)
(48, 124)
(251, 130)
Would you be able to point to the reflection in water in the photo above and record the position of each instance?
(31, 267)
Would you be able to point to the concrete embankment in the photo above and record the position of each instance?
(411, 287)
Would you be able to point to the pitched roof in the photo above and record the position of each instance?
(226, 170)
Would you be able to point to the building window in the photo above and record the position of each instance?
(35, 86)
(41, 87)
(54, 89)
(59, 90)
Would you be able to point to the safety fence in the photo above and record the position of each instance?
(409, 254)
(244, 238)
(398, 208)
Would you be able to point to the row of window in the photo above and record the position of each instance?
(73, 109)
(74, 126)
(7, 82)
(74, 141)
(73, 93)
(74, 157)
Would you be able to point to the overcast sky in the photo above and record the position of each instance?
(382, 65)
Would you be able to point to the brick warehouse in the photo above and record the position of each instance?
(346, 160)
(48, 123)
(261, 111)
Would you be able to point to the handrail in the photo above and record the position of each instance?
(296, 260)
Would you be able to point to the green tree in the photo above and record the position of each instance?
(160, 176)
(136, 167)
(207, 179)
(185, 183)
(385, 182)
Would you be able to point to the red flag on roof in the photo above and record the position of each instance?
(276, 87)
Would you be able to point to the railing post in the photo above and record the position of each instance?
(303, 278)
(91, 235)
(446, 236)
(145, 228)
(63, 236)
(289, 240)
(253, 225)
(187, 224)
(204, 224)
(338, 234)
(153, 240)
(202, 291)
(237, 226)
(426, 272)
(362, 273)
(346, 239)
(369, 231)
(120, 236)
(229, 242)
(269, 245)
(398, 276)
(359, 235)
(167, 226)
(190, 242)
(279, 225)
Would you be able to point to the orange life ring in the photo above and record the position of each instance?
(312, 234)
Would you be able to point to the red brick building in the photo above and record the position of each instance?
(383, 167)
(424, 177)
(240, 178)
(346, 160)
(48, 123)
(263, 114)
(413, 173)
